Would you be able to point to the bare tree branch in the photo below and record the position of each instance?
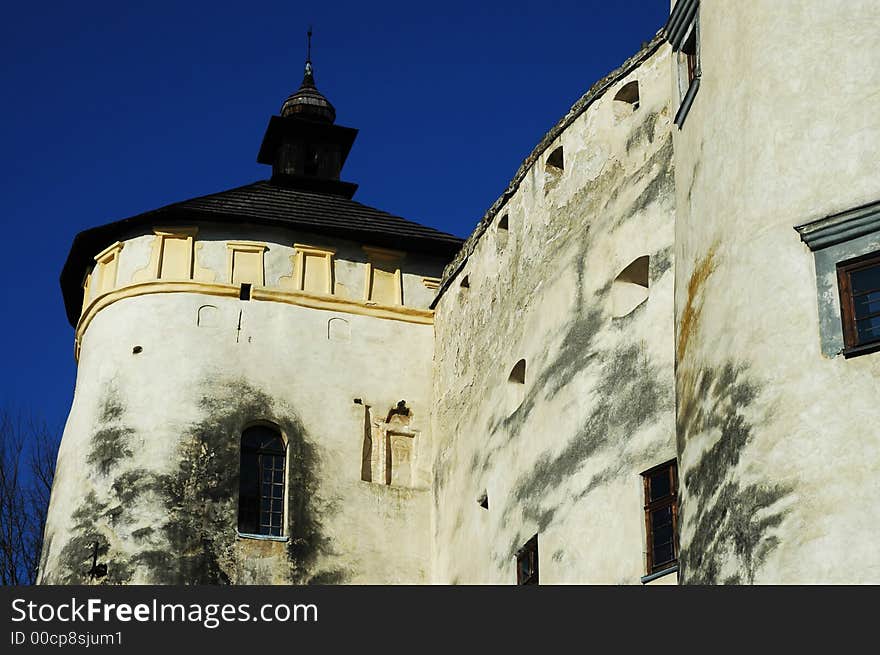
(28, 448)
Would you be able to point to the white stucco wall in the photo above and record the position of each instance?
(597, 404)
(149, 458)
(779, 442)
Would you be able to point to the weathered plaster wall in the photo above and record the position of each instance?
(148, 466)
(778, 441)
(597, 404)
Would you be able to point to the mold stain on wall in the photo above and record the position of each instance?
(186, 516)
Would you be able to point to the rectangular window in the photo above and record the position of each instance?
(859, 285)
(661, 516)
(261, 482)
(527, 563)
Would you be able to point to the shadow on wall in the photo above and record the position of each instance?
(632, 392)
(188, 516)
(729, 524)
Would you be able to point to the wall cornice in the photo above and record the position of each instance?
(299, 298)
(837, 228)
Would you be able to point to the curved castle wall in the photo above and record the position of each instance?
(571, 271)
(147, 477)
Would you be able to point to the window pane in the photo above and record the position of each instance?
(867, 279)
(868, 303)
(660, 484)
(868, 328)
(248, 490)
(663, 535)
(662, 554)
(661, 517)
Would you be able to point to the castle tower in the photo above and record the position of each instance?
(254, 373)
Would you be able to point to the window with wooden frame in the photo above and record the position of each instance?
(527, 563)
(261, 482)
(661, 516)
(858, 281)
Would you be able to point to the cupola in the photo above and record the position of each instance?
(303, 145)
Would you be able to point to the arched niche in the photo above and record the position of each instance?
(630, 287)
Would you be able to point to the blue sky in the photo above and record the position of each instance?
(113, 108)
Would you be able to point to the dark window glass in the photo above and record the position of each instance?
(661, 515)
(859, 286)
(663, 555)
(527, 563)
(689, 49)
(867, 279)
(261, 487)
(869, 328)
(866, 304)
(660, 484)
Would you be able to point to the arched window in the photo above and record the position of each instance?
(261, 483)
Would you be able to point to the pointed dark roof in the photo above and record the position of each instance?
(307, 102)
(260, 203)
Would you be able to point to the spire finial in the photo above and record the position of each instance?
(307, 102)
(309, 79)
